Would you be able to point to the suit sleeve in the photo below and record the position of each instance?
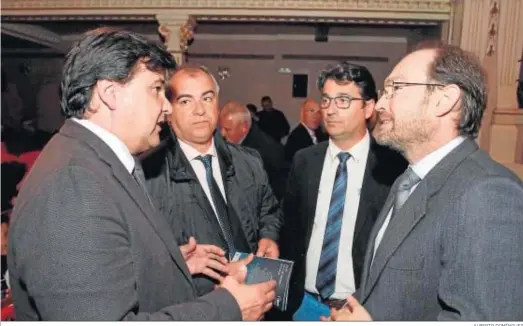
(483, 277)
(289, 212)
(291, 146)
(81, 262)
(290, 247)
(271, 219)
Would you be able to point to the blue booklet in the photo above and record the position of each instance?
(262, 269)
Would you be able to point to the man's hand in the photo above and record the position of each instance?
(253, 300)
(352, 311)
(267, 248)
(238, 269)
(204, 259)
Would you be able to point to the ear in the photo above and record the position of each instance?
(448, 99)
(106, 91)
(243, 126)
(369, 108)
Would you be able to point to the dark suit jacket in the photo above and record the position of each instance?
(383, 167)
(85, 243)
(273, 157)
(273, 123)
(454, 249)
(299, 138)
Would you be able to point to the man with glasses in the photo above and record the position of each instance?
(447, 244)
(335, 192)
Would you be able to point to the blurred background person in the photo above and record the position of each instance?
(237, 127)
(272, 121)
(308, 132)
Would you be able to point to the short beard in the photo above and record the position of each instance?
(406, 135)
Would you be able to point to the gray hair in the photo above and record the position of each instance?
(238, 112)
(208, 73)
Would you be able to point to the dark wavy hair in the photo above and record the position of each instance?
(346, 72)
(111, 54)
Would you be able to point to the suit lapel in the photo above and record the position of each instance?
(366, 195)
(313, 173)
(306, 136)
(398, 229)
(372, 237)
(132, 188)
(406, 219)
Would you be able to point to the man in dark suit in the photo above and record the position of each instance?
(236, 126)
(335, 192)
(85, 243)
(205, 187)
(308, 132)
(447, 244)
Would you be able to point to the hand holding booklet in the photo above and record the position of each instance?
(262, 269)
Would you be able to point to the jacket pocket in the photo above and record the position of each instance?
(406, 262)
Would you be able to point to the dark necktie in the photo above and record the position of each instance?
(406, 181)
(219, 204)
(139, 176)
(326, 277)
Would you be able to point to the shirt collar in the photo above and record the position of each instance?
(191, 153)
(358, 152)
(114, 143)
(309, 130)
(427, 163)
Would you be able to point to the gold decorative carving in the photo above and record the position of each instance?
(187, 34)
(170, 26)
(493, 27)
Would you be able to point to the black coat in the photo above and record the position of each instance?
(175, 190)
(273, 123)
(299, 138)
(273, 157)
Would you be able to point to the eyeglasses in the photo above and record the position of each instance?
(342, 102)
(389, 90)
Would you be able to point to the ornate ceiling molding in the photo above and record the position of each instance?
(58, 18)
(33, 33)
(215, 18)
(409, 10)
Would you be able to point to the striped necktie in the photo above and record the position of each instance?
(326, 277)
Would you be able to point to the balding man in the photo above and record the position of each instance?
(237, 127)
(208, 189)
(308, 132)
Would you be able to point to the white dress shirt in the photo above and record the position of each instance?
(421, 168)
(356, 165)
(191, 153)
(114, 143)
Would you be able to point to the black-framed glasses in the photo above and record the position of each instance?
(389, 90)
(342, 102)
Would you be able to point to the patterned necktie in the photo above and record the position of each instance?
(405, 183)
(139, 176)
(219, 204)
(326, 278)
